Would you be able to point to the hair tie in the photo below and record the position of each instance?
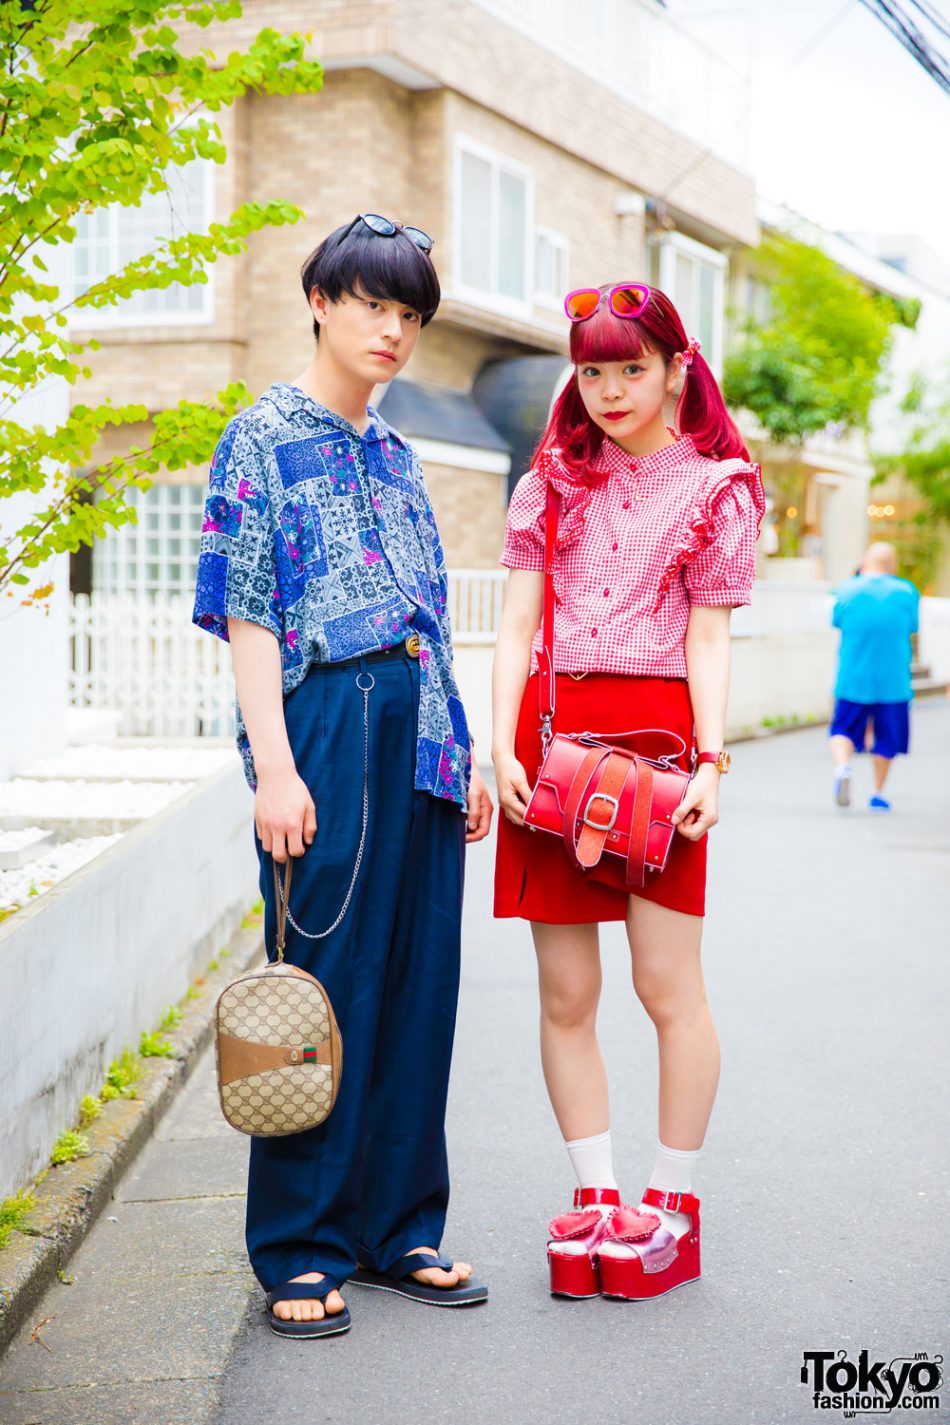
(692, 346)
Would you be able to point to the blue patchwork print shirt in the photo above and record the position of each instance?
(328, 539)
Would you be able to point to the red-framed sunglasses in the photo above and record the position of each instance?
(627, 299)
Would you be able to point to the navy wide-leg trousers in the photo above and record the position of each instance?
(371, 1183)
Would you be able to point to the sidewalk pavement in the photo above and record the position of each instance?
(824, 1181)
(157, 1291)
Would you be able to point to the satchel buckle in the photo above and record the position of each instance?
(599, 825)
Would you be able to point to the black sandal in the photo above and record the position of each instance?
(307, 1291)
(403, 1283)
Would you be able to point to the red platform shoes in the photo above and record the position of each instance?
(639, 1258)
(575, 1239)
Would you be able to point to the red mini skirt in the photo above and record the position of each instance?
(533, 877)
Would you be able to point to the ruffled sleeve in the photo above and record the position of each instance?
(524, 529)
(237, 566)
(719, 567)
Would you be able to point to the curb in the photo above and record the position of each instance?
(72, 1196)
(927, 692)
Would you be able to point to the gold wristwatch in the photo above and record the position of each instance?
(721, 760)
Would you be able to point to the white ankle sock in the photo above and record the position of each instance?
(673, 1171)
(592, 1161)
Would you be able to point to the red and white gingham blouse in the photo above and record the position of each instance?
(636, 549)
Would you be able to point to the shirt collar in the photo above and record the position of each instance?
(293, 403)
(612, 459)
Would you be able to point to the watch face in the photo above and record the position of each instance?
(725, 761)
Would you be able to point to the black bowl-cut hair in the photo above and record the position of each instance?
(391, 268)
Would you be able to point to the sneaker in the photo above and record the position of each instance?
(878, 803)
(843, 776)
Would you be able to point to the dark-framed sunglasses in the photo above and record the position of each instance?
(385, 227)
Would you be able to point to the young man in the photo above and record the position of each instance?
(321, 563)
(876, 613)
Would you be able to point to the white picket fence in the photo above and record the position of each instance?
(142, 656)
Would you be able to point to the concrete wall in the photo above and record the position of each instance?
(783, 661)
(774, 676)
(933, 645)
(97, 959)
(786, 676)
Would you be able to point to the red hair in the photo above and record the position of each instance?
(700, 409)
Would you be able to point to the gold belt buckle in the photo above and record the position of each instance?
(412, 645)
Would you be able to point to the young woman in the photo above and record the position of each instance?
(655, 545)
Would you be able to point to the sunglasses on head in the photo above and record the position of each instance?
(627, 299)
(385, 227)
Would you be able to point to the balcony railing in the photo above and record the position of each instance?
(631, 47)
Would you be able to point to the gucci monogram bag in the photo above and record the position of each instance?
(278, 1048)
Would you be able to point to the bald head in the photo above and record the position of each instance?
(881, 558)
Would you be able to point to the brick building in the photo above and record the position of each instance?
(542, 142)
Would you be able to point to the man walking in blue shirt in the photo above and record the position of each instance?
(876, 613)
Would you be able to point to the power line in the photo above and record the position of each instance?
(931, 13)
(914, 41)
(912, 38)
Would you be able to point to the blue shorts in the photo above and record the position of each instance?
(890, 721)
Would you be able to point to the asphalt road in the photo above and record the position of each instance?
(824, 1181)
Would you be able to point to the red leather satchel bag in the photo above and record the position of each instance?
(611, 806)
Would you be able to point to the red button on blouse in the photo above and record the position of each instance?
(692, 541)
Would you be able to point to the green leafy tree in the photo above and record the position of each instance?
(819, 358)
(924, 457)
(99, 101)
(921, 464)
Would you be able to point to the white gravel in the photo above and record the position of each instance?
(22, 836)
(19, 887)
(79, 799)
(138, 764)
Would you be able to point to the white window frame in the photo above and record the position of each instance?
(553, 301)
(493, 300)
(672, 245)
(128, 543)
(116, 317)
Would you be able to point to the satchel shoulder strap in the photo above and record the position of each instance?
(675, 745)
(546, 685)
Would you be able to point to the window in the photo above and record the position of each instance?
(757, 302)
(494, 216)
(109, 238)
(550, 268)
(693, 277)
(158, 554)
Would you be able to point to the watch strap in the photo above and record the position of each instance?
(719, 759)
